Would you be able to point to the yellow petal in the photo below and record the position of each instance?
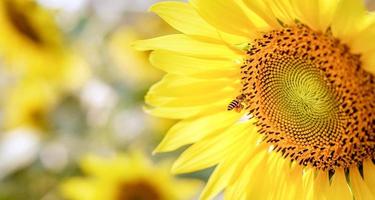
(187, 111)
(307, 12)
(361, 190)
(224, 172)
(251, 181)
(186, 45)
(207, 152)
(360, 43)
(235, 161)
(173, 91)
(197, 67)
(189, 131)
(317, 14)
(369, 175)
(226, 16)
(190, 96)
(252, 151)
(294, 188)
(79, 189)
(349, 19)
(182, 86)
(246, 168)
(282, 10)
(276, 177)
(321, 186)
(368, 61)
(184, 18)
(218, 180)
(327, 11)
(261, 8)
(220, 95)
(339, 189)
(94, 165)
(308, 183)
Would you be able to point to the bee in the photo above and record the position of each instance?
(236, 104)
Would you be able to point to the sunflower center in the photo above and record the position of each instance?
(138, 190)
(312, 100)
(21, 22)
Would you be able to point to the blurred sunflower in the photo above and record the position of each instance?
(124, 57)
(28, 105)
(32, 45)
(126, 177)
(27, 26)
(300, 75)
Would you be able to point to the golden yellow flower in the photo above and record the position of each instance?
(29, 34)
(279, 95)
(29, 104)
(134, 65)
(32, 45)
(126, 177)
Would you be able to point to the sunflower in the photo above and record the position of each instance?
(29, 104)
(32, 45)
(26, 25)
(124, 58)
(277, 95)
(126, 177)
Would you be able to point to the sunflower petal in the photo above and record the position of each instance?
(226, 16)
(192, 130)
(368, 60)
(185, 20)
(188, 21)
(186, 45)
(361, 190)
(360, 44)
(197, 67)
(349, 19)
(261, 8)
(224, 172)
(369, 175)
(307, 12)
(283, 10)
(183, 86)
(339, 187)
(206, 153)
(327, 11)
(188, 111)
(247, 184)
(79, 188)
(321, 185)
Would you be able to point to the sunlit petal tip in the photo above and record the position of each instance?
(177, 168)
(161, 148)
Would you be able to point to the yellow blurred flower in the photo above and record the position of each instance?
(126, 177)
(28, 105)
(32, 45)
(134, 65)
(29, 36)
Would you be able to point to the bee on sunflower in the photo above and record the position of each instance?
(126, 177)
(300, 75)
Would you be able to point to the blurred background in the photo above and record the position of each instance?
(70, 85)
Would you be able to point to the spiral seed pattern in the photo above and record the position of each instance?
(312, 100)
